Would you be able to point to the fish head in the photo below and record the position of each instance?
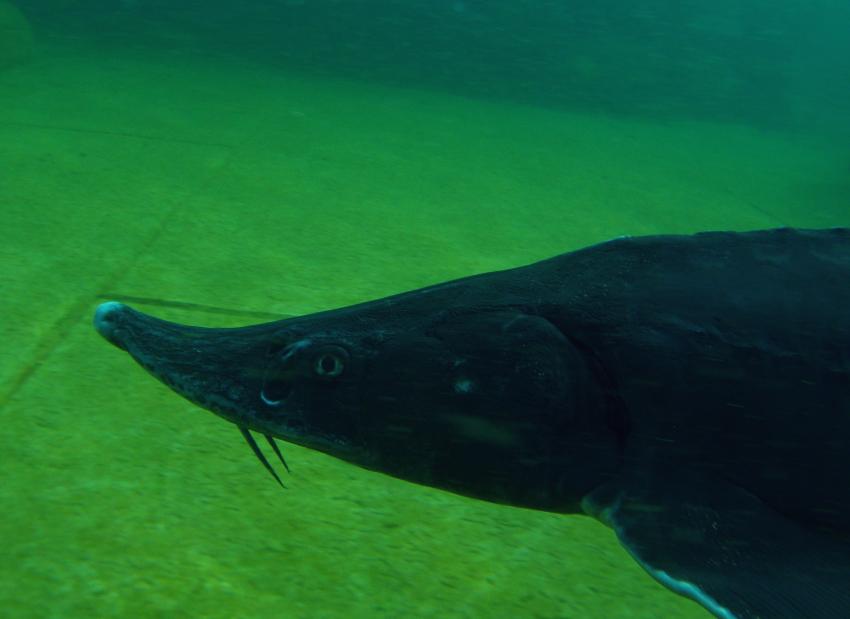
(283, 379)
(453, 398)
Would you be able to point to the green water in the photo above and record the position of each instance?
(270, 159)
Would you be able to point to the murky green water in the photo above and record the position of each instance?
(275, 158)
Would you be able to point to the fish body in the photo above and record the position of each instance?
(692, 392)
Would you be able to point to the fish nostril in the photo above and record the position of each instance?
(275, 392)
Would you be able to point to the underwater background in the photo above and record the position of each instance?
(226, 163)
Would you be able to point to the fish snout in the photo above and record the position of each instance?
(107, 321)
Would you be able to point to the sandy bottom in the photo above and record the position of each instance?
(251, 193)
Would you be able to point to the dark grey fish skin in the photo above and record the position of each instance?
(693, 392)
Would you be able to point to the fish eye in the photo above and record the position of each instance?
(330, 363)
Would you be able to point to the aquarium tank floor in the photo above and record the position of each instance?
(220, 192)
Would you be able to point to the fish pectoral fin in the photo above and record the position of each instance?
(724, 548)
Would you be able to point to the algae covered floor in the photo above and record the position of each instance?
(217, 192)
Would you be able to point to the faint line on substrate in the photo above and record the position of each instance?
(119, 134)
(69, 318)
(42, 351)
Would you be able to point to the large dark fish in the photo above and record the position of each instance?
(692, 392)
